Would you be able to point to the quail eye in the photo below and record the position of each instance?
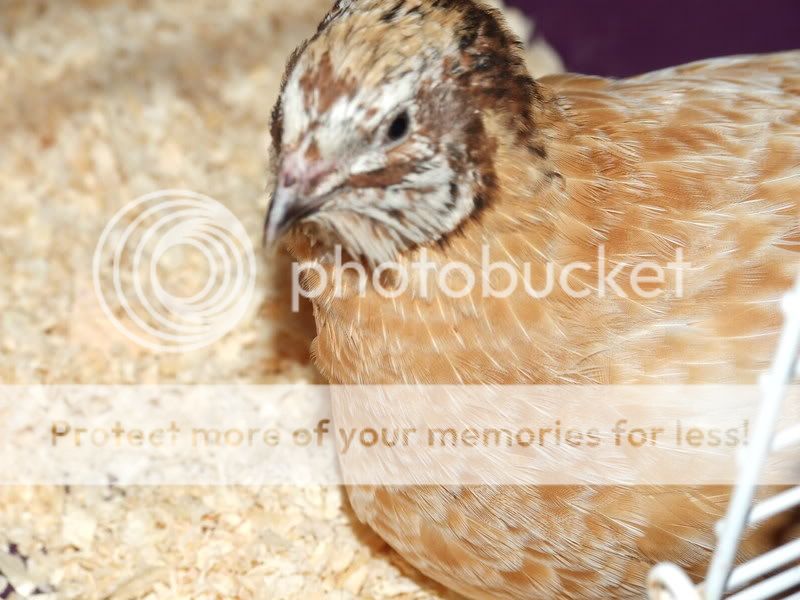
(399, 127)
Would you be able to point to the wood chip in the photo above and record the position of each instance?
(14, 571)
(140, 584)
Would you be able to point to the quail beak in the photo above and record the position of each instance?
(285, 209)
(294, 198)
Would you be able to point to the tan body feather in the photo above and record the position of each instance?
(705, 157)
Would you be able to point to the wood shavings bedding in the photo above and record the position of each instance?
(103, 101)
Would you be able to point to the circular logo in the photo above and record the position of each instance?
(174, 271)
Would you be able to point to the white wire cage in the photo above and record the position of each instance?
(776, 573)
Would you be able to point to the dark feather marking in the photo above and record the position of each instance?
(493, 68)
(451, 203)
(276, 125)
(537, 149)
(276, 120)
(382, 178)
(416, 10)
(552, 175)
(335, 12)
(391, 14)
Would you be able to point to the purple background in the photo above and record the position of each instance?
(627, 37)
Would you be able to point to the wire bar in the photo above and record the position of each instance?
(786, 439)
(764, 564)
(771, 587)
(773, 388)
(768, 508)
(775, 505)
(668, 581)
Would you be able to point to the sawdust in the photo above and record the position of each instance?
(104, 101)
